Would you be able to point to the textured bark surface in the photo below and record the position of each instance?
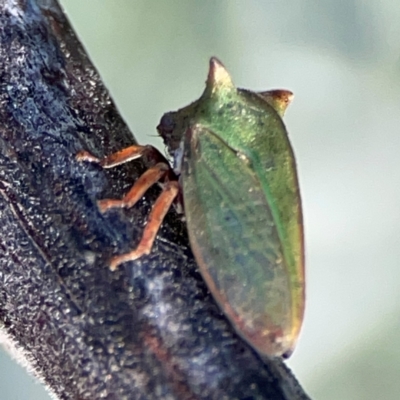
(149, 330)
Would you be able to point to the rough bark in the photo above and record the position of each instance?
(149, 330)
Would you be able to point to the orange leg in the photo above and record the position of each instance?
(158, 212)
(150, 177)
(120, 157)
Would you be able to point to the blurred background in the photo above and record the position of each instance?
(341, 58)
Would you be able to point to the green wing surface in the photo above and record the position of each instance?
(235, 240)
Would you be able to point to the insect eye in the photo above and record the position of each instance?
(166, 125)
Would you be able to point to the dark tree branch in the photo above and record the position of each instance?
(149, 330)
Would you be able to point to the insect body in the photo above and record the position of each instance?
(238, 178)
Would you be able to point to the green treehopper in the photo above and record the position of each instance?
(235, 171)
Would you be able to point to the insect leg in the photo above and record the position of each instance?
(148, 179)
(120, 157)
(158, 172)
(158, 212)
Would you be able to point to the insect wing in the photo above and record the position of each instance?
(235, 241)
